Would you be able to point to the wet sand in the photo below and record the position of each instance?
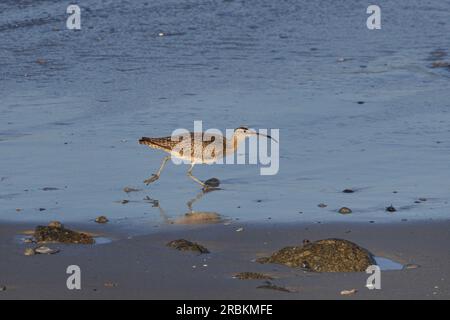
(143, 267)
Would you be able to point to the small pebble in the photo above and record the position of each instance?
(411, 266)
(239, 229)
(345, 210)
(29, 252)
(101, 219)
(348, 191)
(45, 250)
(124, 201)
(322, 205)
(348, 292)
(2, 288)
(110, 285)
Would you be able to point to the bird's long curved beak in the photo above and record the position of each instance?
(265, 135)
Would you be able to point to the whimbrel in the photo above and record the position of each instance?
(197, 148)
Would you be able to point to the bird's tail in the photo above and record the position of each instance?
(149, 142)
(145, 140)
(156, 143)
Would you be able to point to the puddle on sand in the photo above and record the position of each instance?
(102, 240)
(386, 264)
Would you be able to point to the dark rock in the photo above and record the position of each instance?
(391, 209)
(44, 234)
(360, 102)
(251, 276)
(2, 288)
(49, 189)
(330, 255)
(348, 191)
(212, 183)
(185, 245)
(321, 205)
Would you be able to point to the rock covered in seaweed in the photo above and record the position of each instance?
(58, 233)
(185, 245)
(329, 255)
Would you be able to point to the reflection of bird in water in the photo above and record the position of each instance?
(192, 217)
(198, 148)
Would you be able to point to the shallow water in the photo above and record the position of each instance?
(73, 122)
(386, 264)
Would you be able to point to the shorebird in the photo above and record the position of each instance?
(192, 146)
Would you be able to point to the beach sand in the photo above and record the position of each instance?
(143, 267)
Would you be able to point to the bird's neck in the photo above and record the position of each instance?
(233, 143)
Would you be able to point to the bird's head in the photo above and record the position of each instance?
(244, 132)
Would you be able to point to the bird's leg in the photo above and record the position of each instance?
(156, 175)
(190, 175)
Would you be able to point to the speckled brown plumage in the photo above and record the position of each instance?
(168, 144)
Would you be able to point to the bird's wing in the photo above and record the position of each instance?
(183, 141)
